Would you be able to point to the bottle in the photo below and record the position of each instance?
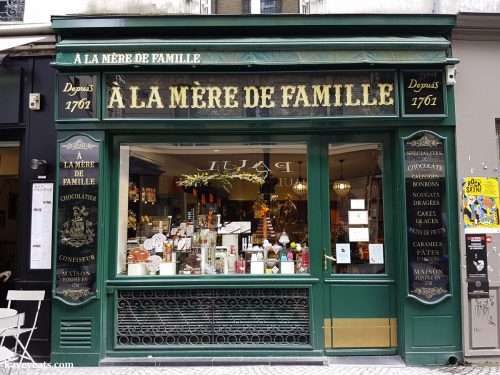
(231, 263)
(305, 259)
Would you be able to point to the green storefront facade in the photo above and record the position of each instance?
(197, 129)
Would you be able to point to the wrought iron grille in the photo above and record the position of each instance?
(11, 10)
(213, 317)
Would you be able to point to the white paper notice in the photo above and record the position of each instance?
(343, 253)
(41, 225)
(376, 251)
(358, 217)
(358, 235)
(357, 204)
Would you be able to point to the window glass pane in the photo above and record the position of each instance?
(356, 208)
(270, 6)
(193, 209)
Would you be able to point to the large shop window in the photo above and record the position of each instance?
(356, 208)
(199, 209)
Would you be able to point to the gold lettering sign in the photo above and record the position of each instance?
(250, 95)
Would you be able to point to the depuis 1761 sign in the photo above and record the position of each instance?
(423, 93)
(427, 235)
(77, 96)
(76, 262)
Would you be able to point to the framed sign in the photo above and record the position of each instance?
(426, 215)
(77, 224)
(41, 216)
(423, 93)
(77, 97)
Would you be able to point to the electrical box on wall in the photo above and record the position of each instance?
(34, 101)
(451, 74)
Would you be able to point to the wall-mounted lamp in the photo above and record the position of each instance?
(39, 165)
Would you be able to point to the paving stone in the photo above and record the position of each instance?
(267, 370)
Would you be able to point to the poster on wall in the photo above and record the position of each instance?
(480, 205)
(477, 265)
(41, 218)
(77, 223)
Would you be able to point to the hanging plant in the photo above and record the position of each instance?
(225, 178)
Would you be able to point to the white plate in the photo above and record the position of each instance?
(149, 244)
(153, 263)
(159, 237)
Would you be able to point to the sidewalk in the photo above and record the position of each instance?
(266, 370)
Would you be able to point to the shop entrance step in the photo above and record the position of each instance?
(214, 361)
(367, 361)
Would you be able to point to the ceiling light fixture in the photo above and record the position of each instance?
(341, 187)
(300, 186)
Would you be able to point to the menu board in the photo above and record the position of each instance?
(76, 262)
(427, 222)
(41, 215)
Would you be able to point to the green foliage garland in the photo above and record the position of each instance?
(225, 177)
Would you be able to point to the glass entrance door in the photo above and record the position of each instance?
(358, 251)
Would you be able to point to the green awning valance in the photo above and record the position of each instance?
(252, 51)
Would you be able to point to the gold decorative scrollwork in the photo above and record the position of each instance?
(75, 294)
(429, 292)
(424, 141)
(79, 144)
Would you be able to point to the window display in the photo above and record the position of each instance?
(356, 208)
(188, 209)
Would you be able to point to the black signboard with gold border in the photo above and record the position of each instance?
(77, 223)
(426, 215)
(423, 93)
(77, 97)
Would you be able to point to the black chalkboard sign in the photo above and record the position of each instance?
(77, 225)
(76, 97)
(423, 93)
(427, 222)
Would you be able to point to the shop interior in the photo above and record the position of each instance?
(224, 209)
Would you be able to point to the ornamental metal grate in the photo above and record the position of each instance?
(267, 316)
(11, 10)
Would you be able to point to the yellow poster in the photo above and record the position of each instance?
(480, 205)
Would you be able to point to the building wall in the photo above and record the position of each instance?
(228, 7)
(40, 11)
(478, 112)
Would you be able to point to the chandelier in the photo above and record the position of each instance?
(341, 187)
(300, 186)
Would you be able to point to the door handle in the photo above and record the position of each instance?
(325, 257)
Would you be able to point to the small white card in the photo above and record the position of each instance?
(376, 251)
(359, 235)
(343, 251)
(357, 204)
(358, 217)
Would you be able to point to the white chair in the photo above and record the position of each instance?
(26, 296)
(12, 321)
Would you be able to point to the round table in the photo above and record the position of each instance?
(5, 313)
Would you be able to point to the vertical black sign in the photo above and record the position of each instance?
(477, 266)
(423, 93)
(76, 263)
(76, 97)
(426, 217)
